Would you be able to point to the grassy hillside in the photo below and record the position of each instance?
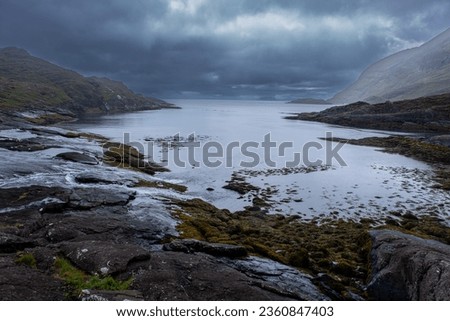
(28, 83)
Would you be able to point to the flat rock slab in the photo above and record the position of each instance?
(104, 258)
(32, 196)
(86, 198)
(216, 249)
(25, 145)
(10, 243)
(22, 283)
(405, 267)
(180, 276)
(101, 295)
(280, 278)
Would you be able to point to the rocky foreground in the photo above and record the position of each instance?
(84, 218)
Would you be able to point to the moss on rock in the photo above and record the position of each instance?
(340, 248)
(78, 280)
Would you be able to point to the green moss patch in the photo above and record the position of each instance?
(339, 248)
(27, 259)
(79, 280)
(428, 227)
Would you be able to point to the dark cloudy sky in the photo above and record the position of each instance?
(255, 49)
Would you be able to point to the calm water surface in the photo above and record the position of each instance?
(370, 184)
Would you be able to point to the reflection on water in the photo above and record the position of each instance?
(372, 184)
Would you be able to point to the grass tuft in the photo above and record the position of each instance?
(27, 259)
(79, 280)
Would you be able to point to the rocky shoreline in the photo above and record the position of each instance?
(84, 218)
(425, 114)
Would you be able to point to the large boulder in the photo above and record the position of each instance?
(405, 267)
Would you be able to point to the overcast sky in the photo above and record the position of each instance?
(253, 49)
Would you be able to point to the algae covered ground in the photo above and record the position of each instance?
(337, 251)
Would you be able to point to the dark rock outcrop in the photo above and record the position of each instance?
(216, 249)
(23, 283)
(405, 267)
(78, 158)
(426, 114)
(24, 145)
(86, 198)
(279, 278)
(13, 243)
(94, 178)
(104, 258)
(180, 276)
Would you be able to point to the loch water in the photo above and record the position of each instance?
(207, 141)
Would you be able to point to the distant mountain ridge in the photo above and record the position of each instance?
(408, 74)
(28, 84)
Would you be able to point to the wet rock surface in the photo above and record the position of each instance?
(279, 278)
(25, 145)
(405, 267)
(216, 249)
(181, 276)
(78, 158)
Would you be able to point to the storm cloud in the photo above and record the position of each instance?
(265, 49)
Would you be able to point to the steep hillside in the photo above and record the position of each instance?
(408, 74)
(30, 84)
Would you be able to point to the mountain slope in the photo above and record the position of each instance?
(28, 84)
(408, 74)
